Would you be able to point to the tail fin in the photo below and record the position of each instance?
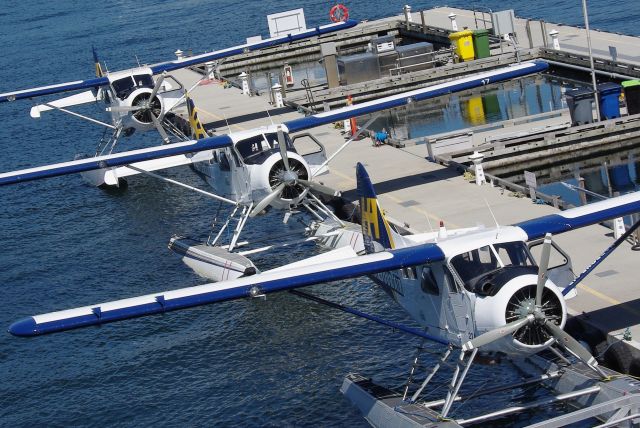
(376, 232)
(99, 72)
(197, 130)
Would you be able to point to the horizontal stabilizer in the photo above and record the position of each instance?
(85, 97)
(110, 176)
(574, 218)
(457, 85)
(256, 285)
(114, 160)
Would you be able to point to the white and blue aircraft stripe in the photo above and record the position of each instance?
(263, 283)
(114, 160)
(178, 64)
(54, 89)
(586, 215)
(473, 81)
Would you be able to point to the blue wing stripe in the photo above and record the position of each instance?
(118, 159)
(200, 59)
(268, 282)
(582, 216)
(392, 101)
(54, 89)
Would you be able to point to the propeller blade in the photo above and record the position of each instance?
(267, 200)
(124, 109)
(542, 270)
(283, 148)
(565, 339)
(498, 333)
(156, 88)
(160, 129)
(319, 187)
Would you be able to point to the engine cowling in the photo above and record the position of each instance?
(515, 300)
(141, 119)
(272, 172)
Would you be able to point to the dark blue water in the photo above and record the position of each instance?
(277, 362)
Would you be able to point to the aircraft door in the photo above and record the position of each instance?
(312, 151)
(560, 270)
(450, 307)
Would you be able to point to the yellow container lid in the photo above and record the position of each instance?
(459, 34)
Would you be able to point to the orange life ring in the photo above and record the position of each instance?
(339, 13)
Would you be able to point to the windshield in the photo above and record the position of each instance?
(257, 149)
(144, 80)
(478, 262)
(122, 87)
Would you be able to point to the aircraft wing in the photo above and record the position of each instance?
(457, 85)
(586, 215)
(295, 125)
(54, 89)
(177, 64)
(114, 160)
(267, 282)
(236, 50)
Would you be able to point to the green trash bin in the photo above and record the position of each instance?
(481, 44)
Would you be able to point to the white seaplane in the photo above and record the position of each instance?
(143, 98)
(475, 289)
(252, 170)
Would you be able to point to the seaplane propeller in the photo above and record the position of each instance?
(538, 313)
(289, 180)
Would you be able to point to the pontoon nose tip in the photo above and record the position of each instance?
(25, 327)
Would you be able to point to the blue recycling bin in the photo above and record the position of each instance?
(609, 99)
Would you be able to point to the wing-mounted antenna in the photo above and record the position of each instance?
(492, 215)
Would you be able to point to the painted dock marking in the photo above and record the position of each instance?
(608, 299)
(393, 198)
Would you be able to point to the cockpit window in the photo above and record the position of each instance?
(123, 87)
(144, 80)
(475, 263)
(514, 254)
(255, 150)
(478, 262)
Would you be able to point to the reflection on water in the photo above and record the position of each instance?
(607, 176)
(508, 100)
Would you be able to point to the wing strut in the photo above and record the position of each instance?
(601, 258)
(364, 315)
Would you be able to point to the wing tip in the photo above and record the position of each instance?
(26, 327)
